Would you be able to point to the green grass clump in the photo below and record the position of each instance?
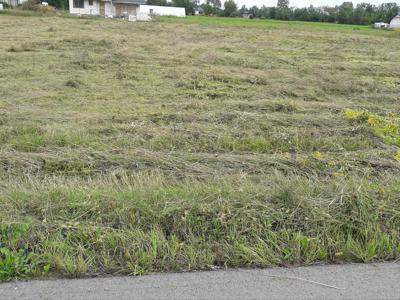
(16, 259)
(15, 264)
(169, 152)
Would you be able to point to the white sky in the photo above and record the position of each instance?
(302, 3)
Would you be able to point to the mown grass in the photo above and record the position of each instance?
(129, 148)
(270, 24)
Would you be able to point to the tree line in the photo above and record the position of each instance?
(347, 13)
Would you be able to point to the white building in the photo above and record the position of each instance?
(14, 2)
(162, 10)
(395, 23)
(381, 25)
(132, 9)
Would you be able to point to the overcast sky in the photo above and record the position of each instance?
(302, 3)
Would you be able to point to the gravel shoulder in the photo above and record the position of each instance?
(352, 281)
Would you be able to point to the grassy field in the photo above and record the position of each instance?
(128, 148)
(270, 24)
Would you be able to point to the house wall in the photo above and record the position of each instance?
(395, 23)
(87, 10)
(125, 10)
(161, 10)
(14, 2)
(142, 12)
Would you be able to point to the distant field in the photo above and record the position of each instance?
(129, 148)
(273, 24)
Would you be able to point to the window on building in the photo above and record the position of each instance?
(91, 2)
(79, 4)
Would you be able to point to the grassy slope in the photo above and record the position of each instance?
(139, 147)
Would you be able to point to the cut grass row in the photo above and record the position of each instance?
(31, 139)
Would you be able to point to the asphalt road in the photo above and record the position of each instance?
(355, 281)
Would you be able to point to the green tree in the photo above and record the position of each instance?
(243, 10)
(214, 3)
(345, 14)
(363, 14)
(230, 9)
(329, 14)
(207, 9)
(211, 7)
(387, 11)
(273, 13)
(254, 11)
(283, 4)
(283, 10)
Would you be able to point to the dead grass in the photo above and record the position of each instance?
(140, 147)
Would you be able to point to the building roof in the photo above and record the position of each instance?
(136, 2)
(396, 17)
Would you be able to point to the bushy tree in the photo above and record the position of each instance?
(211, 7)
(345, 13)
(387, 11)
(230, 9)
(254, 11)
(283, 10)
(363, 14)
(329, 14)
(283, 4)
(273, 13)
(208, 9)
(214, 3)
(243, 10)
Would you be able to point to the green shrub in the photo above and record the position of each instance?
(15, 264)
(16, 259)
